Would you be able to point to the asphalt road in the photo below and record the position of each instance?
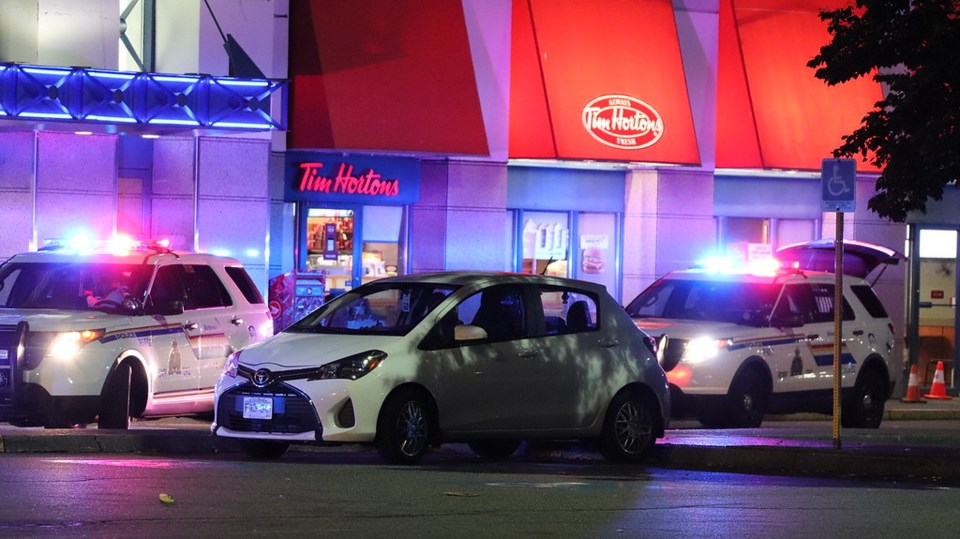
(352, 494)
(908, 449)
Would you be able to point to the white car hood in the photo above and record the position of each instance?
(691, 329)
(289, 350)
(60, 320)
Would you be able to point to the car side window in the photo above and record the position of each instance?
(498, 310)
(822, 305)
(203, 289)
(869, 300)
(167, 292)
(242, 279)
(567, 311)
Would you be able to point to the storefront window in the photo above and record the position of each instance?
(546, 243)
(597, 241)
(330, 246)
(331, 237)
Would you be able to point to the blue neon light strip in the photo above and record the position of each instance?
(109, 97)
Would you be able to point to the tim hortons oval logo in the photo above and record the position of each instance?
(622, 122)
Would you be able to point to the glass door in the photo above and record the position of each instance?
(935, 296)
(598, 244)
(330, 246)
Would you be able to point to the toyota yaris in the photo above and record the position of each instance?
(489, 359)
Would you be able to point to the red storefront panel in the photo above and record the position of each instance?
(772, 112)
(376, 75)
(620, 60)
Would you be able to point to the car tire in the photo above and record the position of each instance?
(115, 399)
(864, 409)
(629, 429)
(743, 407)
(264, 449)
(494, 449)
(404, 428)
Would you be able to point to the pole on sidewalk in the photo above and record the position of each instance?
(837, 328)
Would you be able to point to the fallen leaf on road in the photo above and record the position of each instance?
(166, 499)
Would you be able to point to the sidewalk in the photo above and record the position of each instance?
(794, 445)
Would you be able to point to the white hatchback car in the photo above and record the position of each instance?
(740, 344)
(99, 336)
(485, 358)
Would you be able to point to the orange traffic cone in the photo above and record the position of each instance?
(938, 390)
(913, 387)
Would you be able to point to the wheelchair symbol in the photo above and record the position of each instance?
(835, 184)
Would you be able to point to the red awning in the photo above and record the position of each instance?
(599, 81)
(772, 112)
(375, 75)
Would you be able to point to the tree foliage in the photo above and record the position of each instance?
(912, 135)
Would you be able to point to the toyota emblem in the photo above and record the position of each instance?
(261, 378)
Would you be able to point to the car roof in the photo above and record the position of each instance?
(464, 278)
(148, 257)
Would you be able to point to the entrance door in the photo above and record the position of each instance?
(331, 248)
(934, 268)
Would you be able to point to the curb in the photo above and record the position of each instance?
(906, 464)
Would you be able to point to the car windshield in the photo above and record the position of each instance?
(375, 309)
(71, 286)
(734, 302)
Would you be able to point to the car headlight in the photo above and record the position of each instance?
(66, 345)
(703, 349)
(352, 367)
(232, 364)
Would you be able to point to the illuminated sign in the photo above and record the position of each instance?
(327, 178)
(622, 122)
(345, 181)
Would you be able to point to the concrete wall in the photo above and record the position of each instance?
(461, 221)
(60, 32)
(16, 192)
(76, 185)
(188, 40)
(233, 203)
(668, 224)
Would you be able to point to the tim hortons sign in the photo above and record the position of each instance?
(344, 181)
(622, 122)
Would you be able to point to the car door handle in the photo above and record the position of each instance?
(190, 325)
(237, 321)
(813, 336)
(529, 354)
(609, 343)
(858, 332)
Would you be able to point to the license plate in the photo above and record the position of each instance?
(257, 408)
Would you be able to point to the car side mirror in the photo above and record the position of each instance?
(467, 332)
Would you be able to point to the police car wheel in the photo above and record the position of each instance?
(115, 400)
(747, 400)
(865, 408)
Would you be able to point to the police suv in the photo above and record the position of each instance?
(106, 336)
(739, 344)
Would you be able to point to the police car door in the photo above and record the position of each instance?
(805, 361)
(211, 321)
(174, 361)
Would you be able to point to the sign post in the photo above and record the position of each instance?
(838, 179)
